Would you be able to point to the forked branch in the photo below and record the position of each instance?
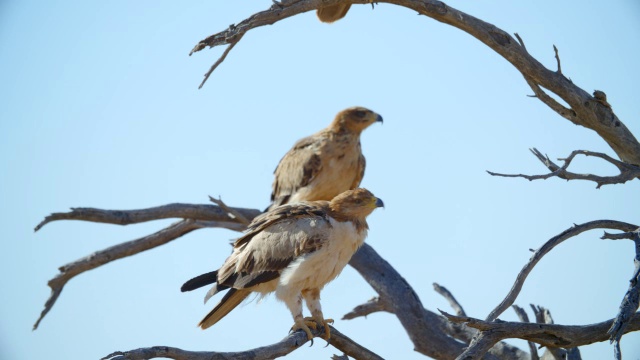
(549, 335)
(627, 171)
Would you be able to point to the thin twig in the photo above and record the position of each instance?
(627, 171)
(563, 111)
(455, 305)
(236, 215)
(521, 42)
(548, 246)
(220, 60)
(555, 49)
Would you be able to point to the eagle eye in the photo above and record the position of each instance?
(360, 113)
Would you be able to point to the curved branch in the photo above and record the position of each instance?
(590, 111)
(127, 217)
(285, 346)
(99, 258)
(627, 171)
(548, 246)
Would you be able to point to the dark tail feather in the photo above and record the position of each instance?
(231, 299)
(200, 281)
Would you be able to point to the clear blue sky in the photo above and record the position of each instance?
(100, 108)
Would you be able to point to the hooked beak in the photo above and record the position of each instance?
(379, 118)
(379, 203)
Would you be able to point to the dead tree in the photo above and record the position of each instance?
(437, 335)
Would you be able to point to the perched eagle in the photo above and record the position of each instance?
(292, 250)
(333, 13)
(325, 164)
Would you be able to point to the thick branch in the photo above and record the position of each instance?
(627, 171)
(549, 335)
(99, 258)
(543, 316)
(421, 325)
(181, 211)
(548, 246)
(281, 348)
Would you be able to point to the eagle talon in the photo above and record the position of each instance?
(304, 325)
(322, 322)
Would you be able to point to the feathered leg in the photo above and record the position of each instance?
(312, 298)
(294, 304)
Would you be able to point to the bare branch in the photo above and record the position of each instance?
(630, 235)
(590, 111)
(548, 246)
(543, 316)
(340, 357)
(375, 304)
(99, 258)
(126, 217)
(219, 61)
(566, 113)
(235, 215)
(287, 345)
(627, 171)
(455, 305)
(522, 315)
(549, 335)
(350, 347)
(521, 42)
(555, 49)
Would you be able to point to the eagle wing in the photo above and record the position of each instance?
(274, 240)
(297, 168)
(362, 164)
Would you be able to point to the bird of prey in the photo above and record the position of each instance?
(292, 250)
(333, 13)
(329, 14)
(325, 164)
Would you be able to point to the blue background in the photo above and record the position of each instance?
(100, 108)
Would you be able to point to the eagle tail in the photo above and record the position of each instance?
(200, 281)
(332, 13)
(231, 299)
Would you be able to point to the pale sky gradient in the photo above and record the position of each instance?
(100, 108)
